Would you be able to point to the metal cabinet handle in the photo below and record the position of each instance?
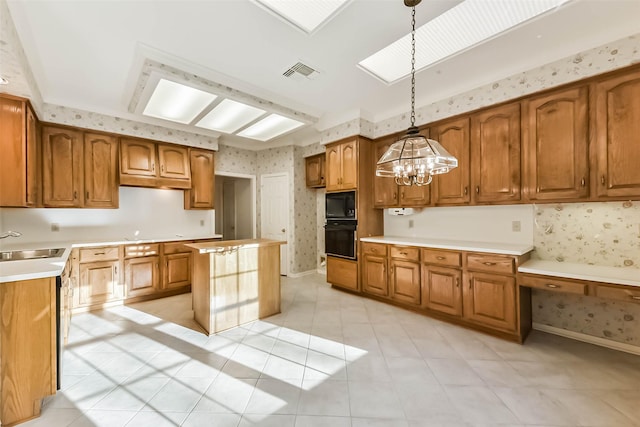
(489, 263)
(161, 168)
(403, 253)
(602, 181)
(153, 167)
(457, 282)
(395, 195)
(75, 195)
(374, 250)
(583, 182)
(98, 253)
(551, 285)
(115, 270)
(477, 189)
(87, 194)
(402, 194)
(635, 297)
(440, 258)
(466, 190)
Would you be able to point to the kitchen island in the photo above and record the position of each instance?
(235, 282)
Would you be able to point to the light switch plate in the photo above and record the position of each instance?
(515, 226)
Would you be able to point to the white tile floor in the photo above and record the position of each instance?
(330, 359)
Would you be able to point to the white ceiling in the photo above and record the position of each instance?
(88, 54)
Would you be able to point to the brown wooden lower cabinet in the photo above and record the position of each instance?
(142, 276)
(342, 273)
(176, 270)
(442, 289)
(404, 275)
(374, 275)
(490, 300)
(99, 282)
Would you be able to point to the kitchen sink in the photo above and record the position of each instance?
(31, 254)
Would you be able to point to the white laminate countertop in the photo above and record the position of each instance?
(460, 245)
(11, 271)
(594, 273)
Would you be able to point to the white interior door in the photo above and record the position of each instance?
(274, 213)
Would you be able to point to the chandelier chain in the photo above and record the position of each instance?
(413, 66)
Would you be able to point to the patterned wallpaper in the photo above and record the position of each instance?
(15, 67)
(236, 160)
(97, 121)
(591, 233)
(305, 220)
(595, 61)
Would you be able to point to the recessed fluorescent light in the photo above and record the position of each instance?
(270, 127)
(306, 15)
(177, 102)
(229, 116)
(458, 29)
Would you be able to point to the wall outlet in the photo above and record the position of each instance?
(202, 223)
(55, 226)
(410, 223)
(515, 226)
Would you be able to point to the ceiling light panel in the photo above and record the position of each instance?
(229, 116)
(176, 102)
(306, 15)
(458, 29)
(270, 127)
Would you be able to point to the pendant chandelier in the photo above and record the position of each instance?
(414, 159)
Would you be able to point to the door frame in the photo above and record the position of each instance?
(287, 248)
(254, 201)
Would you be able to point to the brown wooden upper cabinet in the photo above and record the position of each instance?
(79, 169)
(387, 193)
(556, 145)
(201, 194)
(342, 166)
(149, 164)
(62, 167)
(495, 155)
(100, 171)
(19, 144)
(617, 154)
(453, 187)
(315, 170)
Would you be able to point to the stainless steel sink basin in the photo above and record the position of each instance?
(31, 254)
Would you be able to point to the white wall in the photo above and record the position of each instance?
(244, 209)
(474, 223)
(155, 213)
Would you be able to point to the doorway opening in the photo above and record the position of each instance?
(235, 206)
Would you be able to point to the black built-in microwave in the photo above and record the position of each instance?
(340, 206)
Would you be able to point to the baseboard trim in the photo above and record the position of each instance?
(578, 336)
(302, 274)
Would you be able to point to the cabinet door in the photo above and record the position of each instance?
(334, 168)
(202, 192)
(33, 160)
(62, 167)
(142, 275)
(374, 275)
(414, 195)
(349, 156)
(19, 148)
(442, 289)
(453, 187)
(495, 155)
(342, 273)
(404, 281)
(314, 170)
(99, 282)
(617, 130)
(490, 300)
(177, 270)
(556, 146)
(385, 189)
(174, 161)
(137, 157)
(100, 171)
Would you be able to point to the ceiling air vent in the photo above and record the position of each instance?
(300, 70)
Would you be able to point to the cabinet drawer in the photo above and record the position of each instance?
(491, 263)
(622, 293)
(553, 284)
(106, 253)
(448, 258)
(176, 247)
(403, 252)
(379, 249)
(145, 249)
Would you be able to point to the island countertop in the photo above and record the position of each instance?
(225, 245)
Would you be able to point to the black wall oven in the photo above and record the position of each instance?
(340, 238)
